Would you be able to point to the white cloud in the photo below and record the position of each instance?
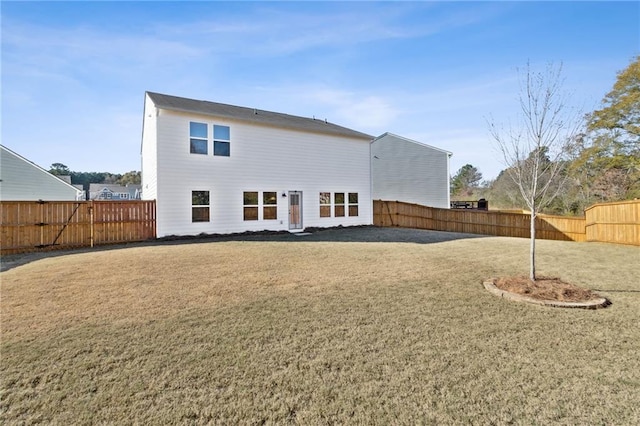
(268, 30)
(369, 113)
(362, 111)
(71, 50)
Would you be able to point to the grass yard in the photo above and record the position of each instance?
(367, 326)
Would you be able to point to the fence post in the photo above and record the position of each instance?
(42, 224)
(91, 222)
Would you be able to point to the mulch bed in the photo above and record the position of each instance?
(545, 288)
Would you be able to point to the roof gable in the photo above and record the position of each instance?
(34, 166)
(392, 136)
(21, 179)
(252, 115)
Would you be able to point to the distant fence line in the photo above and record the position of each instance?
(48, 225)
(608, 222)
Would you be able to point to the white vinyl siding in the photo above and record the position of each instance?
(149, 152)
(263, 159)
(409, 171)
(22, 180)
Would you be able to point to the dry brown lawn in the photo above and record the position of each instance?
(366, 326)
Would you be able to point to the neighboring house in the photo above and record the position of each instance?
(114, 192)
(409, 171)
(22, 180)
(217, 168)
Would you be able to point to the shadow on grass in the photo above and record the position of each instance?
(350, 234)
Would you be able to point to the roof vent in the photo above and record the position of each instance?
(255, 111)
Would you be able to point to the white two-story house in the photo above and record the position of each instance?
(217, 168)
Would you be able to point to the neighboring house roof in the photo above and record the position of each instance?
(253, 115)
(133, 190)
(412, 141)
(115, 187)
(21, 179)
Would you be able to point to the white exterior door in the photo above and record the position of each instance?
(295, 210)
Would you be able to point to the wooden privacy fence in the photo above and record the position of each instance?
(46, 225)
(394, 213)
(614, 222)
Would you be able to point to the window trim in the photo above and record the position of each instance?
(261, 206)
(325, 208)
(217, 141)
(193, 138)
(269, 205)
(336, 205)
(203, 206)
(352, 205)
(250, 207)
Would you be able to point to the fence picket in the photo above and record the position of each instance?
(30, 225)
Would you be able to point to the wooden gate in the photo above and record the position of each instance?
(48, 225)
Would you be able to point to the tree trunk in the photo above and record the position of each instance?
(532, 249)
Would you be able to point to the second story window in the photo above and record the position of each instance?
(221, 140)
(198, 138)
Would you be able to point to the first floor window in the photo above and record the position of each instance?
(250, 205)
(353, 204)
(338, 208)
(254, 202)
(325, 204)
(269, 205)
(198, 138)
(199, 206)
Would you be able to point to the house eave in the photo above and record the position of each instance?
(257, 117)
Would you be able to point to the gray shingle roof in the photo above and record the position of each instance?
(253, 115)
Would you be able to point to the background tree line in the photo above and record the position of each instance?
(86, 178)
(600, 164)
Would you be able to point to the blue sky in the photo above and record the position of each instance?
(74, 73)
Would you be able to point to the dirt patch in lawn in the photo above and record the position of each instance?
(546, 288)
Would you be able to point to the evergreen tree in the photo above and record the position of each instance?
(465, 181)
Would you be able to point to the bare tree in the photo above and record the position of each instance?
(534, 148)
